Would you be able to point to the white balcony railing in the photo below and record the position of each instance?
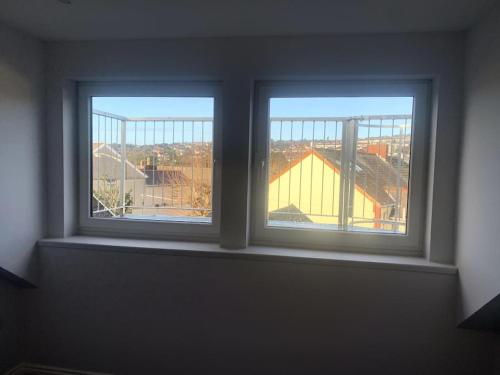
(152, 167)
(162, 167)
(346, 173)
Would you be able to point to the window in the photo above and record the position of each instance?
(148, 153)
(341, 165)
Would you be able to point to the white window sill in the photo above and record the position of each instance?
(260, 253)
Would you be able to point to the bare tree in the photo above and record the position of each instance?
(202, 199)
(108, 192)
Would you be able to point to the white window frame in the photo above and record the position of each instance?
(411, 243)
(144, 228)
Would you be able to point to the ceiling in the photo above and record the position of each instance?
(139, 19)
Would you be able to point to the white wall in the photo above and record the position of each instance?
(238, 62)
(132, 313)
(22, 153)
(144, 313)
(478, 244)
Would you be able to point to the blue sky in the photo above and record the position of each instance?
(155, 106)
(333, 107)
(340, 107)
(203, 107)
(158, 132)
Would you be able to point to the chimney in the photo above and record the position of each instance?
(378, 149)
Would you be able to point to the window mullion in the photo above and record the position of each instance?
(353, 140)
(347, 171)
(344, 162)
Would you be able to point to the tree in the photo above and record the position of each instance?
(108, 192)
(202, 198)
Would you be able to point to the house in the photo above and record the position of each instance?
(311, 185)
(157, 175)
(107, 162)
(107, 166)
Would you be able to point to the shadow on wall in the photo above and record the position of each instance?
(487, 318)
(21, 151)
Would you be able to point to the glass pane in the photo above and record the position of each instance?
(339, 163)
(152, 158)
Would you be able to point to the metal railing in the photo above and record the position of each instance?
(152, 166)
(371, 155)
(163, 167)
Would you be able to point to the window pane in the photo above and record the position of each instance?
(152, 158)
(339, 163)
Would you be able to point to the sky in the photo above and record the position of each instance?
(159, 132)
(155, 106)
(334, 107)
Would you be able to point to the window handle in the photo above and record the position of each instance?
(262, 169)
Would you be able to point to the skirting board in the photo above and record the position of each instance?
(34, 369)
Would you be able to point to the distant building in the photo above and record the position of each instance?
(157, 175)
